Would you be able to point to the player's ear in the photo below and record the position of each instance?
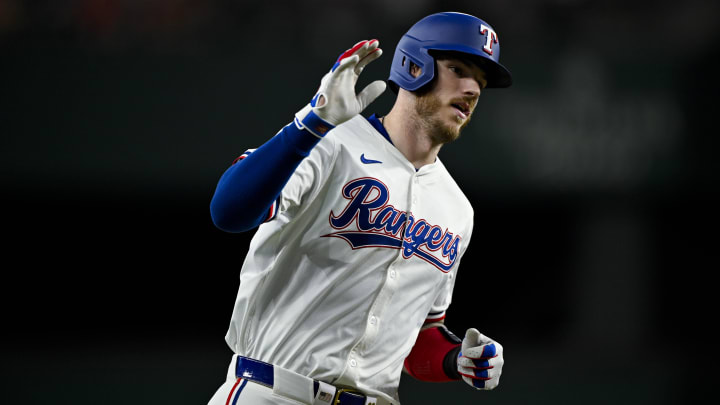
(415, 70)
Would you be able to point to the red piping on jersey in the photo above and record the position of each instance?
(239, 158)
(271, 212)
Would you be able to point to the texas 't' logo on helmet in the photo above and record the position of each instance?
(490, 38)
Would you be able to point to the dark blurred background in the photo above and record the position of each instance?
(593, 180)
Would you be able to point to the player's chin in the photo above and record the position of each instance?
(447, 133)
(458, 124)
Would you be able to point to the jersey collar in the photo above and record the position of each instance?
(375, 122)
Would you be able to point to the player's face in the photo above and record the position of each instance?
(447, 106)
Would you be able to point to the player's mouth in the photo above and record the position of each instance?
(463, 109)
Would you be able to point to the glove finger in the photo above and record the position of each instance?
(475, 374)
(351, 51)
(343, 64)
(479, 384)
(492, 367)
(491, 383)
(366, 48)
(367, 59)
(362, 48)
(355, 50)
(472, 379)
(371, 47)
(485, 351)
(481, 380)
(370, 93)
(480, 364)
(472, 338)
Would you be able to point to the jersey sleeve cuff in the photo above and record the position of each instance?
(435, 317)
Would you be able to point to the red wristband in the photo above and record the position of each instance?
(427, 360)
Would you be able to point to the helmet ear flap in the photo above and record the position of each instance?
(405, 66)
(402, 68)
(424, 79)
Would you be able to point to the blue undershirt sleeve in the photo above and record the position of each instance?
(247, 189)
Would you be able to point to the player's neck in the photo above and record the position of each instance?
(410, 138)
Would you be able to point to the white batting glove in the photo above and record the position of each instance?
(336, 101)
(480, 360)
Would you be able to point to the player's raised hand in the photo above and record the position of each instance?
(336, 100)
(480, 360)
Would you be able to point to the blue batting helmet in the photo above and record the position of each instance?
(449, 32)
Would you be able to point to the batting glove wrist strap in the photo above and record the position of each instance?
(450, 366)
(336, 101)
(307, 119)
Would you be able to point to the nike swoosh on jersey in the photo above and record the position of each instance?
(368, 161)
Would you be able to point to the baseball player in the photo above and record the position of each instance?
(360, 231)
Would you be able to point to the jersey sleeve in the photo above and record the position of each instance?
(442, 302)
(307, 181)
(272, 211)
(248, 192)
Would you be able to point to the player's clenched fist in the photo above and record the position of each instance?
(336, 101)
(480, 360)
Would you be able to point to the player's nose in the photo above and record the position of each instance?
(470, 87)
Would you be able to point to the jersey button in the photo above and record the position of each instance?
(373, 320)
(393, 274)
(353, 363)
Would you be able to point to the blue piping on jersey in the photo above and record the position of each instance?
(375, 122)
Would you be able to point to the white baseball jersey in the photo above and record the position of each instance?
(362, 248)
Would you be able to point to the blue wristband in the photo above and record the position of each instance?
(316, 125)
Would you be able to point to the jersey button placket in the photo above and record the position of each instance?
(414, 190)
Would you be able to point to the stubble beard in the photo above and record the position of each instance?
(426, 108)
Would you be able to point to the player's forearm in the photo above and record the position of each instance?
(247, 190)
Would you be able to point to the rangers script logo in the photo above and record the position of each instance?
(378, 224)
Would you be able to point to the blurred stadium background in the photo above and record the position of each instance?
(593, 180)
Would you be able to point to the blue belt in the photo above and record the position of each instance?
(260, 372)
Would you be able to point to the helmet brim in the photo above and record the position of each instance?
(497, 75)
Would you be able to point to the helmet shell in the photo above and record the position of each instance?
(449, 31)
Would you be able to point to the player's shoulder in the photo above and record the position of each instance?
(351, 134)
(451, 187)
(353, 127)
(357, 133)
